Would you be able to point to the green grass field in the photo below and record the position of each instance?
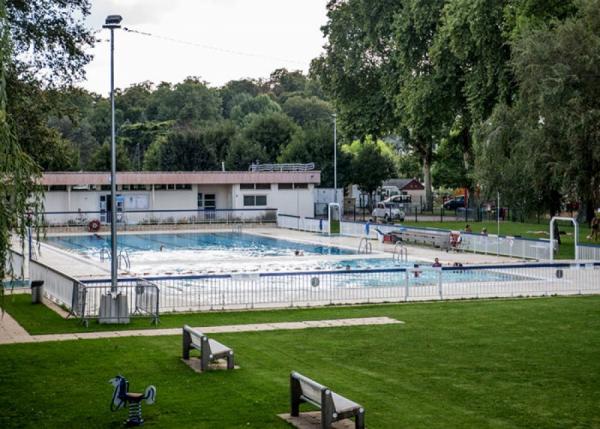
(529, 363)
(527, 230)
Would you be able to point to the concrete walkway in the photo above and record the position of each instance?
(11, 332)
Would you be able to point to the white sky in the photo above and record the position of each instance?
(278, 29)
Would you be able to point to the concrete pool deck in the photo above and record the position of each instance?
(80, 267)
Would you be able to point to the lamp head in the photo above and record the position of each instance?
(113, 21)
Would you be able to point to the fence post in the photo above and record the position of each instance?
(440, 283)
(406, 286)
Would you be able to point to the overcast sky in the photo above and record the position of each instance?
(273, 34)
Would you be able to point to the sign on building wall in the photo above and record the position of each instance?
(139, 202)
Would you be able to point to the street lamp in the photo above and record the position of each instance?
(113, 22)
(334, 157)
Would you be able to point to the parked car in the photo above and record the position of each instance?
(388, 211)
(455, 203)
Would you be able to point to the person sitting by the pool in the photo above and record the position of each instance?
(298, 252)
(484, 231)
(162, 246)
(416, 270)
(436, 263)
(468, 228)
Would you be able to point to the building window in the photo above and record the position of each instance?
(286, 186)
(247, 186)
(57, 187)
(171, 187)
(160, 187)
(210, 201)
(263, 186)
(182, 187)
(255, 200)
(200, 200)
(300, 185)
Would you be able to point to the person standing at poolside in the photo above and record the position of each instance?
(436, 263)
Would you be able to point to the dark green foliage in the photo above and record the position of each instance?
(370, 167)
(271, 132)
(187, 150)
(101, 160)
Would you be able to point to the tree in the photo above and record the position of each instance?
(187, 150)
(101, 159)
(233, 89)
(271, 132)
(315, 144)
(370, 167)
(559, 95)
(20, 192)
(190, 102)
(136, 138)
(259, 105)
(308, 110)
(242, 154)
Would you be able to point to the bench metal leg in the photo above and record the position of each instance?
(295, 392)
(327, 409)
(230, 361)
(187, 342)
(359, 422)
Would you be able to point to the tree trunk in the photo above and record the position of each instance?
(427, 179)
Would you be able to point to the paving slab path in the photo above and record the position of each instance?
(11, 332)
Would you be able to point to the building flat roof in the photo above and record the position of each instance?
(180, 177)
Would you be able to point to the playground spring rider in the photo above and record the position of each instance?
(133, 401)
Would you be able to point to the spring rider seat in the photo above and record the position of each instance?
(122, 397)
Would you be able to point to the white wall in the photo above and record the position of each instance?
(297, 202)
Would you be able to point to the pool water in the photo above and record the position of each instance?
(197, 246)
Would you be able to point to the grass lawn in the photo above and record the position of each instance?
(530, 363)
(527, 230)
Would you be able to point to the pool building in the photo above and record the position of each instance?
(143, 193)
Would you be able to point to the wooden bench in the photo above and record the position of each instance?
(210, 350)
(333, 406)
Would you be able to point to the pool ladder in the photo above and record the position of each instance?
(400, 253)
(124, 259)
(366, 248)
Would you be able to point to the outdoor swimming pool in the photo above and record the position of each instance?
(191, 247)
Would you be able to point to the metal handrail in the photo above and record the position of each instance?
(368, 247)
(400, 253)
(124, 259)
(282, 167)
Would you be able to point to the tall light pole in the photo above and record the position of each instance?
(113, 22)
(334, 157)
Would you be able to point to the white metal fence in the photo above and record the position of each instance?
(489, 244)
(57, 286)
(308, 224)
(13, 266)
(164, 218)
(589, 252)
(234, 291)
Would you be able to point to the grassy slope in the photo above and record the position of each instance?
(526, 230)
(497, 364)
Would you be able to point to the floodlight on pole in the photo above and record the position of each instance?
(113, 22)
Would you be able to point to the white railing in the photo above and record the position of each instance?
(489, 244)
(282, 167)
(57, 286)
(589, 252)
(302, 223)
(230, 291)
(13, 266)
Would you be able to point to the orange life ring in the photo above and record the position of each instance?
(94, 225)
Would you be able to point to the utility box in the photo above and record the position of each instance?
(113, 309)
(37, 291)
